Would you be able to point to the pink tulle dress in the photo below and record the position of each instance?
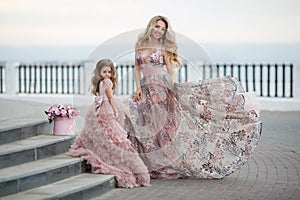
(194, 129)
(104, 144)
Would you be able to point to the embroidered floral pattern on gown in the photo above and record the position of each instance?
(104, 144)
(190, 129)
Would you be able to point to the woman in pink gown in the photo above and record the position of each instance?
(102, 141)
(180, 130)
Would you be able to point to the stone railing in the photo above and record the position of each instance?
(66, 80)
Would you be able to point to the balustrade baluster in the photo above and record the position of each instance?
(73, 79)
(51, 79)
(253, 77)
(68, 79)
(225, 69)
(239, 72)
(62, 79)
(1, 79)
(186, 72)
(276, 80)
(79, 78)
(25, 79)
(231, 70)
(35, 80)
(29, 79)
(246, 78)
(46, 79)
(268, 79)
(261, 80)
(56, 79)
(20, 78)
(292, 79)
(210, 71)
(41, 79)
(127, 79)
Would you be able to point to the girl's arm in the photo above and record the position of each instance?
(109, 94)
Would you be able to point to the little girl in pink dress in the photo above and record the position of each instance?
(102, 141)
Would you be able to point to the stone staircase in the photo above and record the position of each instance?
(34, 165)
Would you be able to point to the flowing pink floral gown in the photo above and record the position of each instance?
(104, 144)
(199, 130)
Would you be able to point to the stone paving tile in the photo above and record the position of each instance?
(271, 173)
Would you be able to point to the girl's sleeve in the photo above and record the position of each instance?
(107, 83)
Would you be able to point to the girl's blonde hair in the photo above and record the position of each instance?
(168, 40)
(96, 76)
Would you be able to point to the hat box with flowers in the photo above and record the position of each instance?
(63, 118)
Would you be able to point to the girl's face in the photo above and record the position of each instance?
(106, 72)
(159, 29)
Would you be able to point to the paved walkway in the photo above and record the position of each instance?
(272, 172)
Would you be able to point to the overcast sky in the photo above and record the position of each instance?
(91, 22)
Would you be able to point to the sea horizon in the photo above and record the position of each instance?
(252, 53)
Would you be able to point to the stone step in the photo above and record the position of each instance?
(18, 129)
(34, 148)
(37, 173)
(82, 187)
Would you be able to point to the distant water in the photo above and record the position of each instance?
(219, 53)
(254, 53)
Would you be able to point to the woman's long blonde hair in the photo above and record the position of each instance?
(168, 40)
(96, 76)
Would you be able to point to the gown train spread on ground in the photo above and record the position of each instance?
(190, 129)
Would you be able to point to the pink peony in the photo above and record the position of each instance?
(60, 111)
(57, 112)
(63, 113)
(54, 109)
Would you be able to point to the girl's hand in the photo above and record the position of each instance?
(137, 96)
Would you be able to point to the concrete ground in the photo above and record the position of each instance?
(272, 172)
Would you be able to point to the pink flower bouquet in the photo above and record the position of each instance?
(61, 111)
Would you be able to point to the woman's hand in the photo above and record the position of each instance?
(137, 96)
(117, 115)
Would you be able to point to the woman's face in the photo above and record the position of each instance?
(106, 72)
(159, 29)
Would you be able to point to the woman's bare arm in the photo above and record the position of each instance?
(169, 66)
(137, 96)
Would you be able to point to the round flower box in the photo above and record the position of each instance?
(63, 118)
(64, 126)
